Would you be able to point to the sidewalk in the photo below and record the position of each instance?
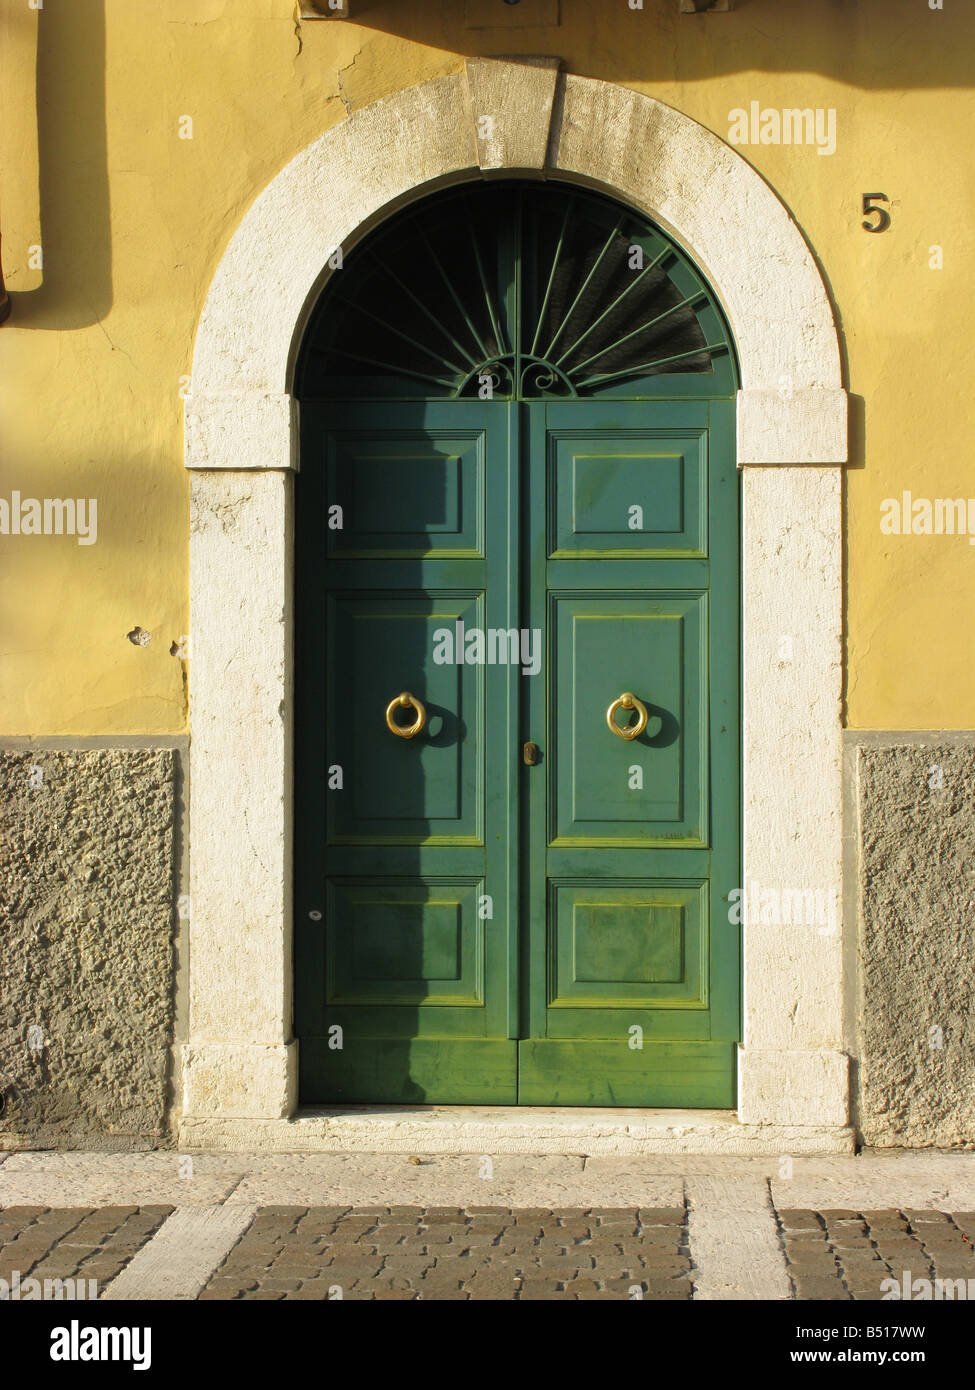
(167, 1226)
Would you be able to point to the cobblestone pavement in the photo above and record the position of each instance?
(489, 1252)
(455, 1253)
(78, 1243)
(848, 1254)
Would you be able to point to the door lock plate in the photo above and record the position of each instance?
(531, 754)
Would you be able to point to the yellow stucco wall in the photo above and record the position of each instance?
(133, 220)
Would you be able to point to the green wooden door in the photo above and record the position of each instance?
(406, 887)
(471, 928)
(631, 844)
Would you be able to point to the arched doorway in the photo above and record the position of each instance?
(517, 754)
(239, 1063)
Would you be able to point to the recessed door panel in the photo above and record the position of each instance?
(405, 943)
(420, 492)
(628, 493)
(423, 789)
(648, 788)
(627, 947)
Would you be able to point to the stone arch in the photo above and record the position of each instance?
(239, 1064)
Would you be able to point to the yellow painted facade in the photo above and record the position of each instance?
(133, 205)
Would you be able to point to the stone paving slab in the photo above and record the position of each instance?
(81, 1179)
(936, 1189)
(177, 1263)
(501, 1179)
(932, 1168)
(734, 1239)
(878, 1179)
(131, 1179)
(310, 1179)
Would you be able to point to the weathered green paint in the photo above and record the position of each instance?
(492, 931)
(408, 860)
(627, 950)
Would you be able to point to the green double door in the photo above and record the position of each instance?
(499, 898)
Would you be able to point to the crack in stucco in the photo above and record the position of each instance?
(346, 100)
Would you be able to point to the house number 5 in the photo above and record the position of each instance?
(882, 214)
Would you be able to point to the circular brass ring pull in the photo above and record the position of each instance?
(407, 730)
(627, 701)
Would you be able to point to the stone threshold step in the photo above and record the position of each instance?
(509, 1129)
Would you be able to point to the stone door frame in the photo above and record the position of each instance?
(241, 445)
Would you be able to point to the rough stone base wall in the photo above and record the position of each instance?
(87, 889)
(917, 944)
